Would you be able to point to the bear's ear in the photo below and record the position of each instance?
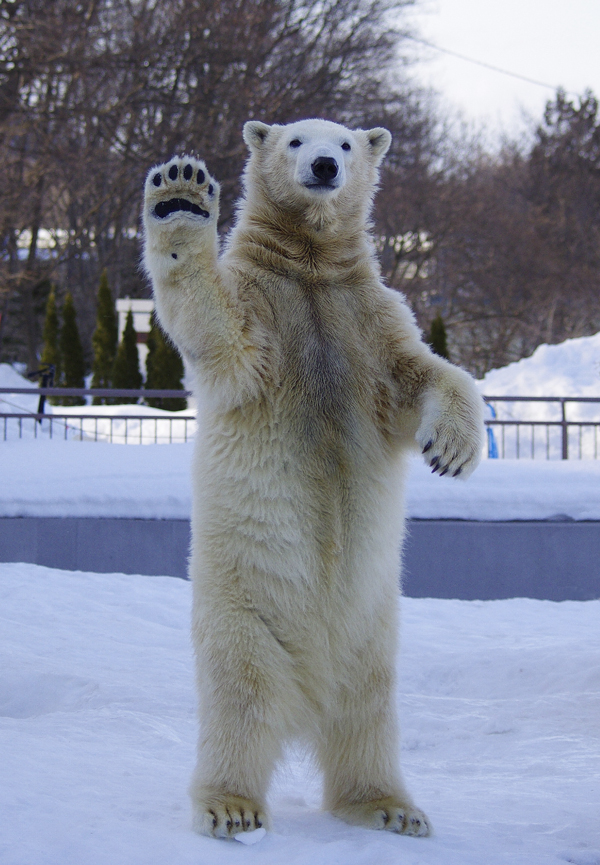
(255, 134)
(379, 140)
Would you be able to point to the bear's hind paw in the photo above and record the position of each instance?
(226, 815)
(388, 814)
(179, 188)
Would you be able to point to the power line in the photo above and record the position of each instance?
(488, 65)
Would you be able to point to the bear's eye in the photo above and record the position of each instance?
(295, 143)
(346, 146)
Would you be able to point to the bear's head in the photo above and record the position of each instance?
(314, 168)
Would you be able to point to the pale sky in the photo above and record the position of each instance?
(552, 41)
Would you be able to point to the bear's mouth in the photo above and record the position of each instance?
(172, 205)
(321, 187)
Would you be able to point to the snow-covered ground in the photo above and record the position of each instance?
(499, 700)
(57, 478)
(85, 479)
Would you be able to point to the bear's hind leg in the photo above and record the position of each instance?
(248, 701)
(359, 757)
(237, 753)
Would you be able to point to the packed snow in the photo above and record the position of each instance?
(499, 703)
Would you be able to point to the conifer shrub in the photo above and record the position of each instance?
(104, 340)
(71, 353)
(437, 337)
(50, 352)
(126, 370)
(164, 369)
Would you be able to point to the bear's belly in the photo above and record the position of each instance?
(297, 497)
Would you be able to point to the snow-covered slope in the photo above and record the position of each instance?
(571, 368)
(499, 703)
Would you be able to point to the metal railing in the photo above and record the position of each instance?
(560, 437)
(94, 424)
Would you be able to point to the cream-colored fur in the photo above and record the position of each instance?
(314, 385)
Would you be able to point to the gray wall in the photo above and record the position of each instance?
(442, 558)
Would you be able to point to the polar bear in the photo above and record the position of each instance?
(314, 384)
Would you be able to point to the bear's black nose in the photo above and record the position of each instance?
(325, 168)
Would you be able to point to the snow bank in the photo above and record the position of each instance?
(499, 702)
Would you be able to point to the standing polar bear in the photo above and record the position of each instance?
(314, 385)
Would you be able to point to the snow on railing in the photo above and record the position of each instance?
(548, 427)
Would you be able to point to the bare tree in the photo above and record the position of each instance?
(92, 93)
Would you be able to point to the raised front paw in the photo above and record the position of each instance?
(388, 813)
(181, 188)
(224, 815)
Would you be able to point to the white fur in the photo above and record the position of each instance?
(315, 384)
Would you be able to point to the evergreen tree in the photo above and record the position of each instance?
(437, 337)
(164, 369)
(126, 371)
(104, 339)
(71, 353)
(50, 354)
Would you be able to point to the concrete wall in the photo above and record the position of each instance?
(442, 558)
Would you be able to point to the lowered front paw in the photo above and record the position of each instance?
(181, 189)
(451, 435)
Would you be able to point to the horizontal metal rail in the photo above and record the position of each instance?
(586, 431)
(115, 429)
(575, 438)
(101, 392)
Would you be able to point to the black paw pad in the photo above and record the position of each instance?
(173, 172)
(211, 189)
(157, 180)
(201, 176)
(188, 171)
(165, 208)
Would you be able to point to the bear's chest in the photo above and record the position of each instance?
(327, 367)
